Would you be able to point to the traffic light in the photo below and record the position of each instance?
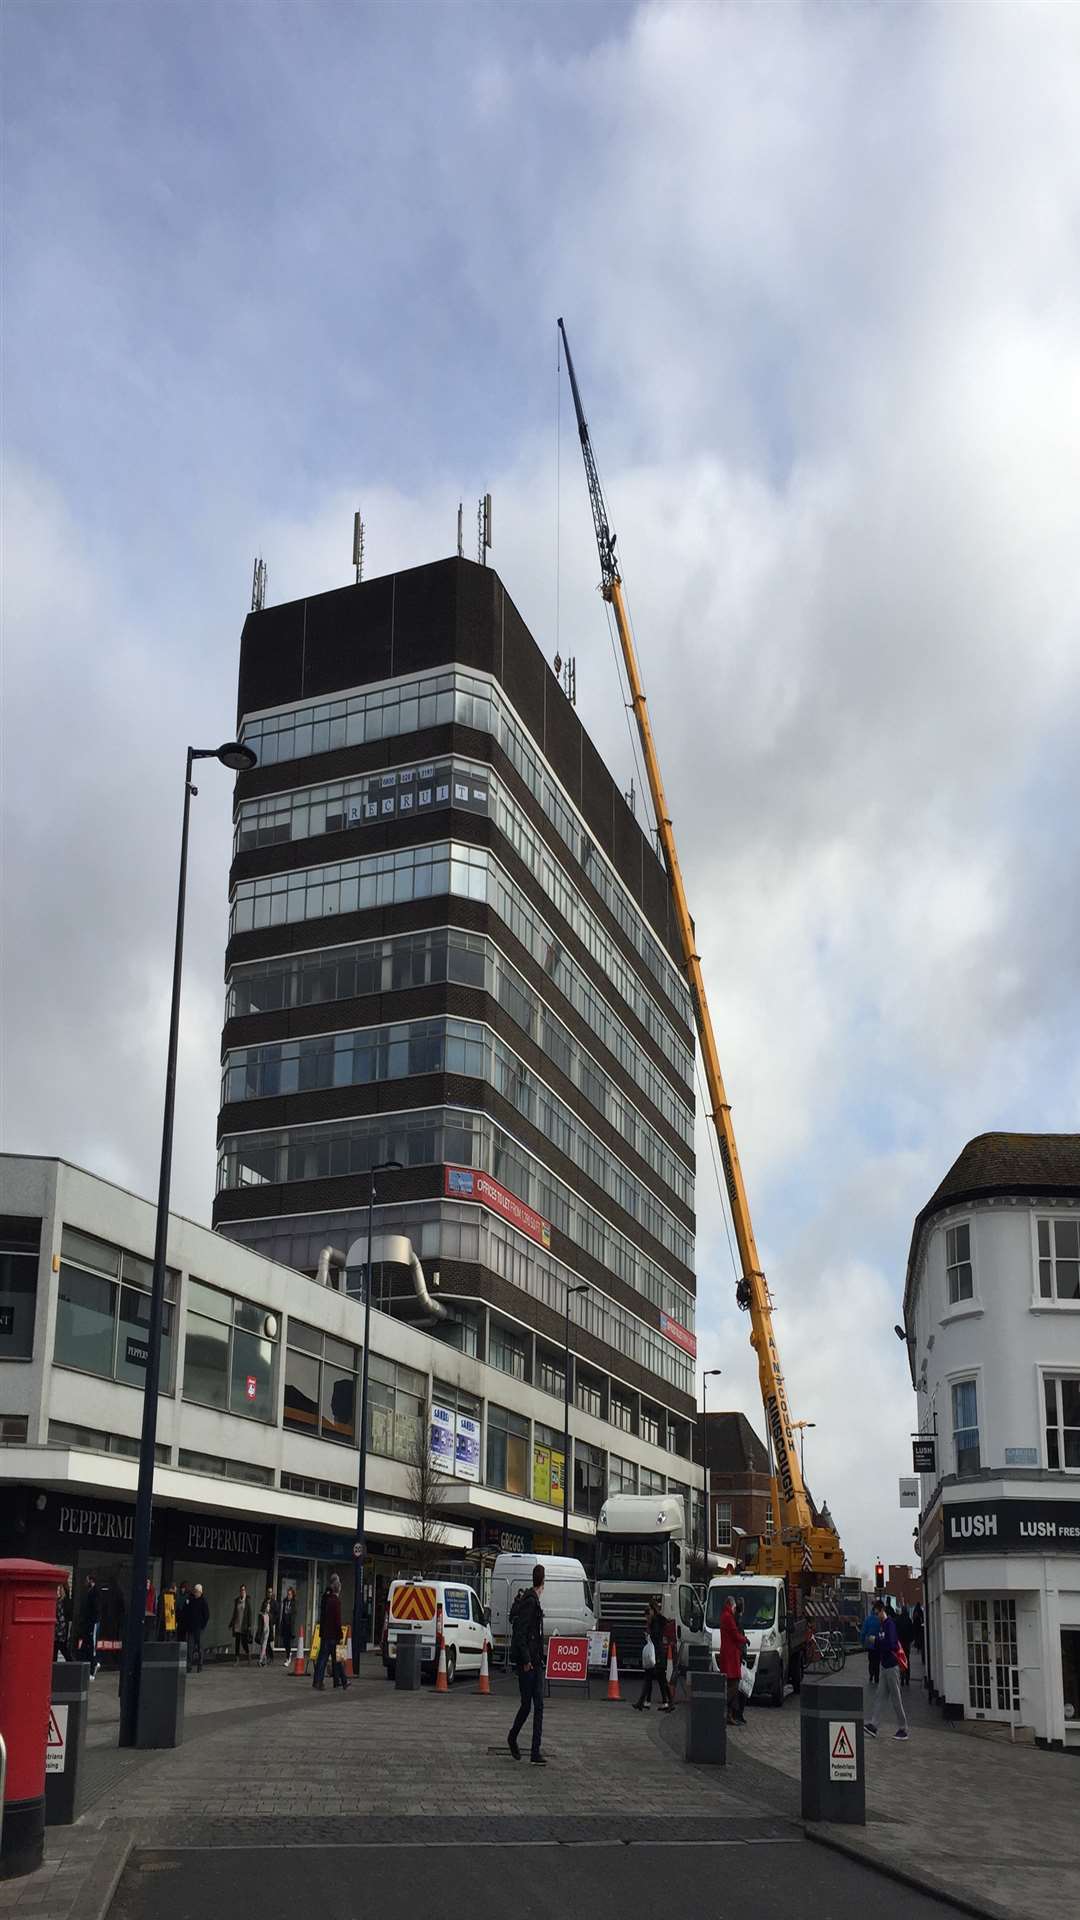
(879, 1576)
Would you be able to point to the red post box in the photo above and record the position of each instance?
(27, 1626)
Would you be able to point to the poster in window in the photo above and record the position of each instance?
(541, 1477)
(441, 1439)
(558, 1464)
(467, 1455)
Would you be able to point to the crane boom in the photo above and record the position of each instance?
(794, 1510)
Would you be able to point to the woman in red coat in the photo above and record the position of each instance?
(732, 1643)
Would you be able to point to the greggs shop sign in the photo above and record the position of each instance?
(465, 1183)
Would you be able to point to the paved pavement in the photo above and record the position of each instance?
(267, 1763)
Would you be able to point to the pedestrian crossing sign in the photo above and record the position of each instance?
(842, 1760)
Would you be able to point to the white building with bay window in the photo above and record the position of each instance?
(992, 1319)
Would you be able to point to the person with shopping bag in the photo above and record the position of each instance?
(653, 1662)
(732, 1648)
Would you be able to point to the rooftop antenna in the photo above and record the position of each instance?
(358, 547)
(631, 798)
(569, 679)
(483, 529)
(460, 530)
(258, 585)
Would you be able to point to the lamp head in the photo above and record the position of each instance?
(234, 754)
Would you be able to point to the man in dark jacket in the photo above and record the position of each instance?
(196, 1621)
(527, 1659)
(329, 1635)
(905, 1633)
(89, 1615)
(888, 1686)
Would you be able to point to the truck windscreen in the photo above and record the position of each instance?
(758, 1606)
(625, 1559)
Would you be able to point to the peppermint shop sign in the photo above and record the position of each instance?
(1010, 1526)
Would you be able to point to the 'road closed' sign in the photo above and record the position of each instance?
(568, 1657)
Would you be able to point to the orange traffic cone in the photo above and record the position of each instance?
(440, 1656)
(613, 1676)
(300, 1662)
(485, 1671)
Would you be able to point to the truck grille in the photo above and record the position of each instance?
(623, 1616)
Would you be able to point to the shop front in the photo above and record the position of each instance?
(221, 1554)
(1003, 1590)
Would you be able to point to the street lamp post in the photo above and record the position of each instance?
(709, 1373)
(360, 1543)
(240, 759)
(570, 1292)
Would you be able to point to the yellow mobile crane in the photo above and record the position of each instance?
(800, 1550)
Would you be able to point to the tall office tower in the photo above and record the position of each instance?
(451, 946)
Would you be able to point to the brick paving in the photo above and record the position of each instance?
(268, 1762)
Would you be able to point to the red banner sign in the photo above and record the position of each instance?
(464, 1183)
(680, 1335)
(568, 1657)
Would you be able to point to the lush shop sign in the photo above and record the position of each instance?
(1011, 1526)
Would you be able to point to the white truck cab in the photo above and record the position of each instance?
(775, 1637)
(642, 1556)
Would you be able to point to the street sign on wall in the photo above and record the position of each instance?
(924, 1454)
(909, 1492)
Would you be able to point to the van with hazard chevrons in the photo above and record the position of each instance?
(412, 1610)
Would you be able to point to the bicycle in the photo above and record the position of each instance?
(826, 1649)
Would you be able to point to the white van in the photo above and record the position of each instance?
(567, 1602)
(412, 1609)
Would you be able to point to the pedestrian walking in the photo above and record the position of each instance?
(917, 1621)
(89, 1619)
(268, 1620)
(527, 1660)
(329, 1635)
(888, 1686)
(868, 1633)
(653, 1662)
(196, 1621)
(240, 1624)
(288, 1622)
(732, 1646)
(62, 1629)
(905, 1633)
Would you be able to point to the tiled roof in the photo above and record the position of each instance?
(733, 1445)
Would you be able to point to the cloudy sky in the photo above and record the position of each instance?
(821, 271)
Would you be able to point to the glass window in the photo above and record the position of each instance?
(588, 1479)
(206, 1361)
(301, 1389)
(965, 1425)
(722, 1523)
(622, 1475)
(1059, 1259)
(506, 1350)
(958, 1264)
(20, 1240)
(230, 1356)
(86, 1251)
(508, 1451)
(1062, 1395)
(85, 1321)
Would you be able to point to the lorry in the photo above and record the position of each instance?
(641, 1555)
(776, 1637)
